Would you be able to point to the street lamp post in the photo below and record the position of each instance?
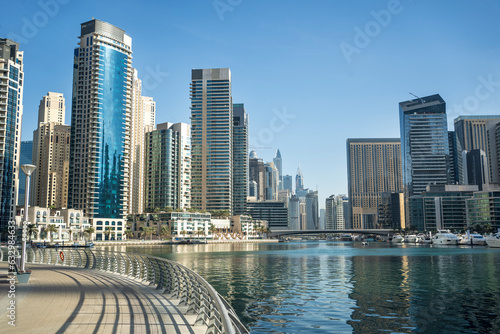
(28, 170)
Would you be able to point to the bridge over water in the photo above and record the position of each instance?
(280, 233)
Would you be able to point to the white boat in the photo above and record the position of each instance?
(493, 240)
(444, 237)
(397, 238)
(423, 239)
(472, 239)
(412, 238)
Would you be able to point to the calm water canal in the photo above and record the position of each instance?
(339, 287)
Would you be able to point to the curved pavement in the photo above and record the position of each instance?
(72, 300)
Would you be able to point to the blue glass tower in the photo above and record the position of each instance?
(11, 113)
(100, 121)
(424, 143)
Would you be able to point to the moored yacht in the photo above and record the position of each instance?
(397, 238)
(493, 240)
(444, 237)
(411, 238)
(472, 239)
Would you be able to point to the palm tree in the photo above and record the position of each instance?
(51, 228)
(165, 232)
(32, 229)
(129, 234)
(212, 229)
(147, 231)
(89, 230)
(183, 232)
(201, 231)
(108, 231)
(266, 231)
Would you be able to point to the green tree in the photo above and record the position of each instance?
(89, 231)
(108, 231)
(165, 232)
(212, 229)
(129, 234)
(147, 231)
(32, 229)
(200, 232)
(51, 228)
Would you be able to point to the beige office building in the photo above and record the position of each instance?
(51, 148)
(373, 167)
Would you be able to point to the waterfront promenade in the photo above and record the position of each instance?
(74, 300)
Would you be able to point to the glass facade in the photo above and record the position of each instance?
(424, 143)
(240, 159)
(11, 109)
(100, 120)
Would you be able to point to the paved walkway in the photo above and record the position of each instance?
(71, 300)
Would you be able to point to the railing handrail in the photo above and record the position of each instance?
(162, 272)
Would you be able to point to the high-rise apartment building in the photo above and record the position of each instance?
(51, 149)
(424, 143)
(149, 110)
(479, 133)
(271, 181)
(168, 167)
(240, 158)
(257, 174)
(100, 121)
(212, 139)
(373, 167)
(142, 120)
(278, 163)
(52, 109)
(294, 213)
(11, 114)
(312, 210)
(334, 212)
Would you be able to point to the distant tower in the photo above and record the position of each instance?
(288, 183)
(278, 164)
(299, 180)
(257, 174)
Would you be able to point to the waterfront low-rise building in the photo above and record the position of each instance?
(274, 212)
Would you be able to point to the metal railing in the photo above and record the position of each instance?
(170, 277)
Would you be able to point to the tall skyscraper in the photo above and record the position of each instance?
(212, 139)
(100, 121)
(271, 181)
(257, 174)
(168, 166)
(299, 180)
(26, 158)
(479, 133)
(142, 120)
(240, 158)
(278, 164)
(288, 183)
(294, 213)
(11, 114)
(51, 149)
(424, 143)
(373, 167)
(312, 210)
(334, 212)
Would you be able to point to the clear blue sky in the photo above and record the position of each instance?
(285, 57)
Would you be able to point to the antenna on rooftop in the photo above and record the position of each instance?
(422, 101)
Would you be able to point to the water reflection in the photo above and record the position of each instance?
(346, 288)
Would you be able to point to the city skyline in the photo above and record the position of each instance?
(300, 47)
